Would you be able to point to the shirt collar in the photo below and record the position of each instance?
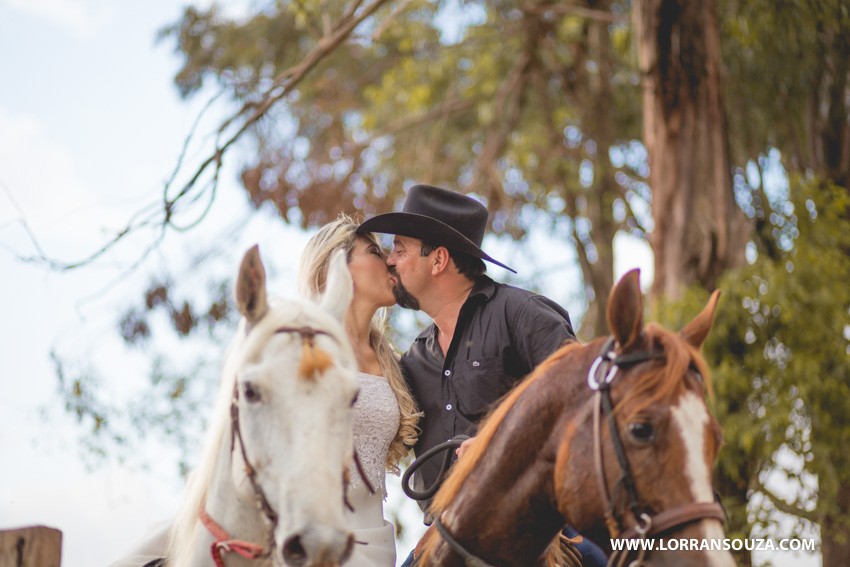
(484, 289)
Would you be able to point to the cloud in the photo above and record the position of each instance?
(82, 18)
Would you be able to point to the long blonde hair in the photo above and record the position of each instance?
(341, 234)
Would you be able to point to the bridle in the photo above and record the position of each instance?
(224, 542)
(600, 378)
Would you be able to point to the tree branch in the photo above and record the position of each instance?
(784, 506)
(162, 214)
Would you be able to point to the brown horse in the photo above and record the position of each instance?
(547, 455)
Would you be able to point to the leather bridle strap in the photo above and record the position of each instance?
(608, 364)
(236, 433)
(469, 559)
(648, 525)
(225, 543)
(307, 333)
(676, 517)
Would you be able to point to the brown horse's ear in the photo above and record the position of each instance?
(251, 286)
(697, 330)
(625, 309)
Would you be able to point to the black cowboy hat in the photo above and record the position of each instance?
(438, 216)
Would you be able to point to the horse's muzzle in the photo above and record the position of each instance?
(317, 547)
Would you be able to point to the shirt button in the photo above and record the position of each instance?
(448, 372)
(449, 407)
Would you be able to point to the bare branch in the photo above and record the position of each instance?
(784, 506)
(399, 8)
(162, 213)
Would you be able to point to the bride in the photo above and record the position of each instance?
(385, 415)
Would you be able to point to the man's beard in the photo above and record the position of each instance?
(402, 296)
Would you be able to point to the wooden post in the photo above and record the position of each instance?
(34, 546)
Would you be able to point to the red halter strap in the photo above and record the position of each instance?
(224, 543)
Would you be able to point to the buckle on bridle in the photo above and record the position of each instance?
(607, 355)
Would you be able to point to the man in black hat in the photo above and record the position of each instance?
(485, 336)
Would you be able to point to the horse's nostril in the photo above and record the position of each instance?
(293, 552)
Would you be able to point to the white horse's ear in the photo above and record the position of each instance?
(251, 287)
(339, 289)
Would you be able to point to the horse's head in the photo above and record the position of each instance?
(292, 395)
(653, 471)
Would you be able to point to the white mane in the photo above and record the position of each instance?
(244, 346)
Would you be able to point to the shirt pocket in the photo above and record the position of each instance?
(478, 385)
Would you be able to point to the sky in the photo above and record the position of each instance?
(90, 128)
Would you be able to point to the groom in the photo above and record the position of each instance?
(485, 336)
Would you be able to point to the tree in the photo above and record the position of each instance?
(522, 104)
(790, 104)
(779, 347)
(699, 229)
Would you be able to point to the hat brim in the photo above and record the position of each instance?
(429, 229)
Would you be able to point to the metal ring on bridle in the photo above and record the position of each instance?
(592, 381)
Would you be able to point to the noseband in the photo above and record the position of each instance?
(225, 543)
(600, 378)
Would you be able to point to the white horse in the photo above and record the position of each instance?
(269, 489)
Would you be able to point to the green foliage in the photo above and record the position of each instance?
(474, 96)
(787, 65)
(780, 349)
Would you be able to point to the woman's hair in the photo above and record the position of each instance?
(340, 234)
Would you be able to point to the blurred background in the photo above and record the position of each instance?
(144, 147)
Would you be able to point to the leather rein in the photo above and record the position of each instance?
(224, 542)
(600, 378)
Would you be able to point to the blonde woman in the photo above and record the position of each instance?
(385, 414)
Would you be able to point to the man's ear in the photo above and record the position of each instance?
(440, 260)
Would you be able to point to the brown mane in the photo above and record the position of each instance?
(665, 382)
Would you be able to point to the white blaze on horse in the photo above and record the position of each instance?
(269, 489)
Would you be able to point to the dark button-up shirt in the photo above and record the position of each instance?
(502, 334)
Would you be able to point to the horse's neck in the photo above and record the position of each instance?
(506, 509)
(239, 517)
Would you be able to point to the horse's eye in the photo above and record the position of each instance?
(354, 399)
(642, 431)
(252, 393)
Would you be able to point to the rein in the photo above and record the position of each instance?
(469, 559)
(224, 542)
(429, 492)
(600, 378)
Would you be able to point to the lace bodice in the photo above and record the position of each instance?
(375, 424)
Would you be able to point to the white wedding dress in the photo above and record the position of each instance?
(374, 423)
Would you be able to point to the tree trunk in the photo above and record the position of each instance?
(699, 229)
(835, 532)
(604, 189)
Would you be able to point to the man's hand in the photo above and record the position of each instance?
(464, 446)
